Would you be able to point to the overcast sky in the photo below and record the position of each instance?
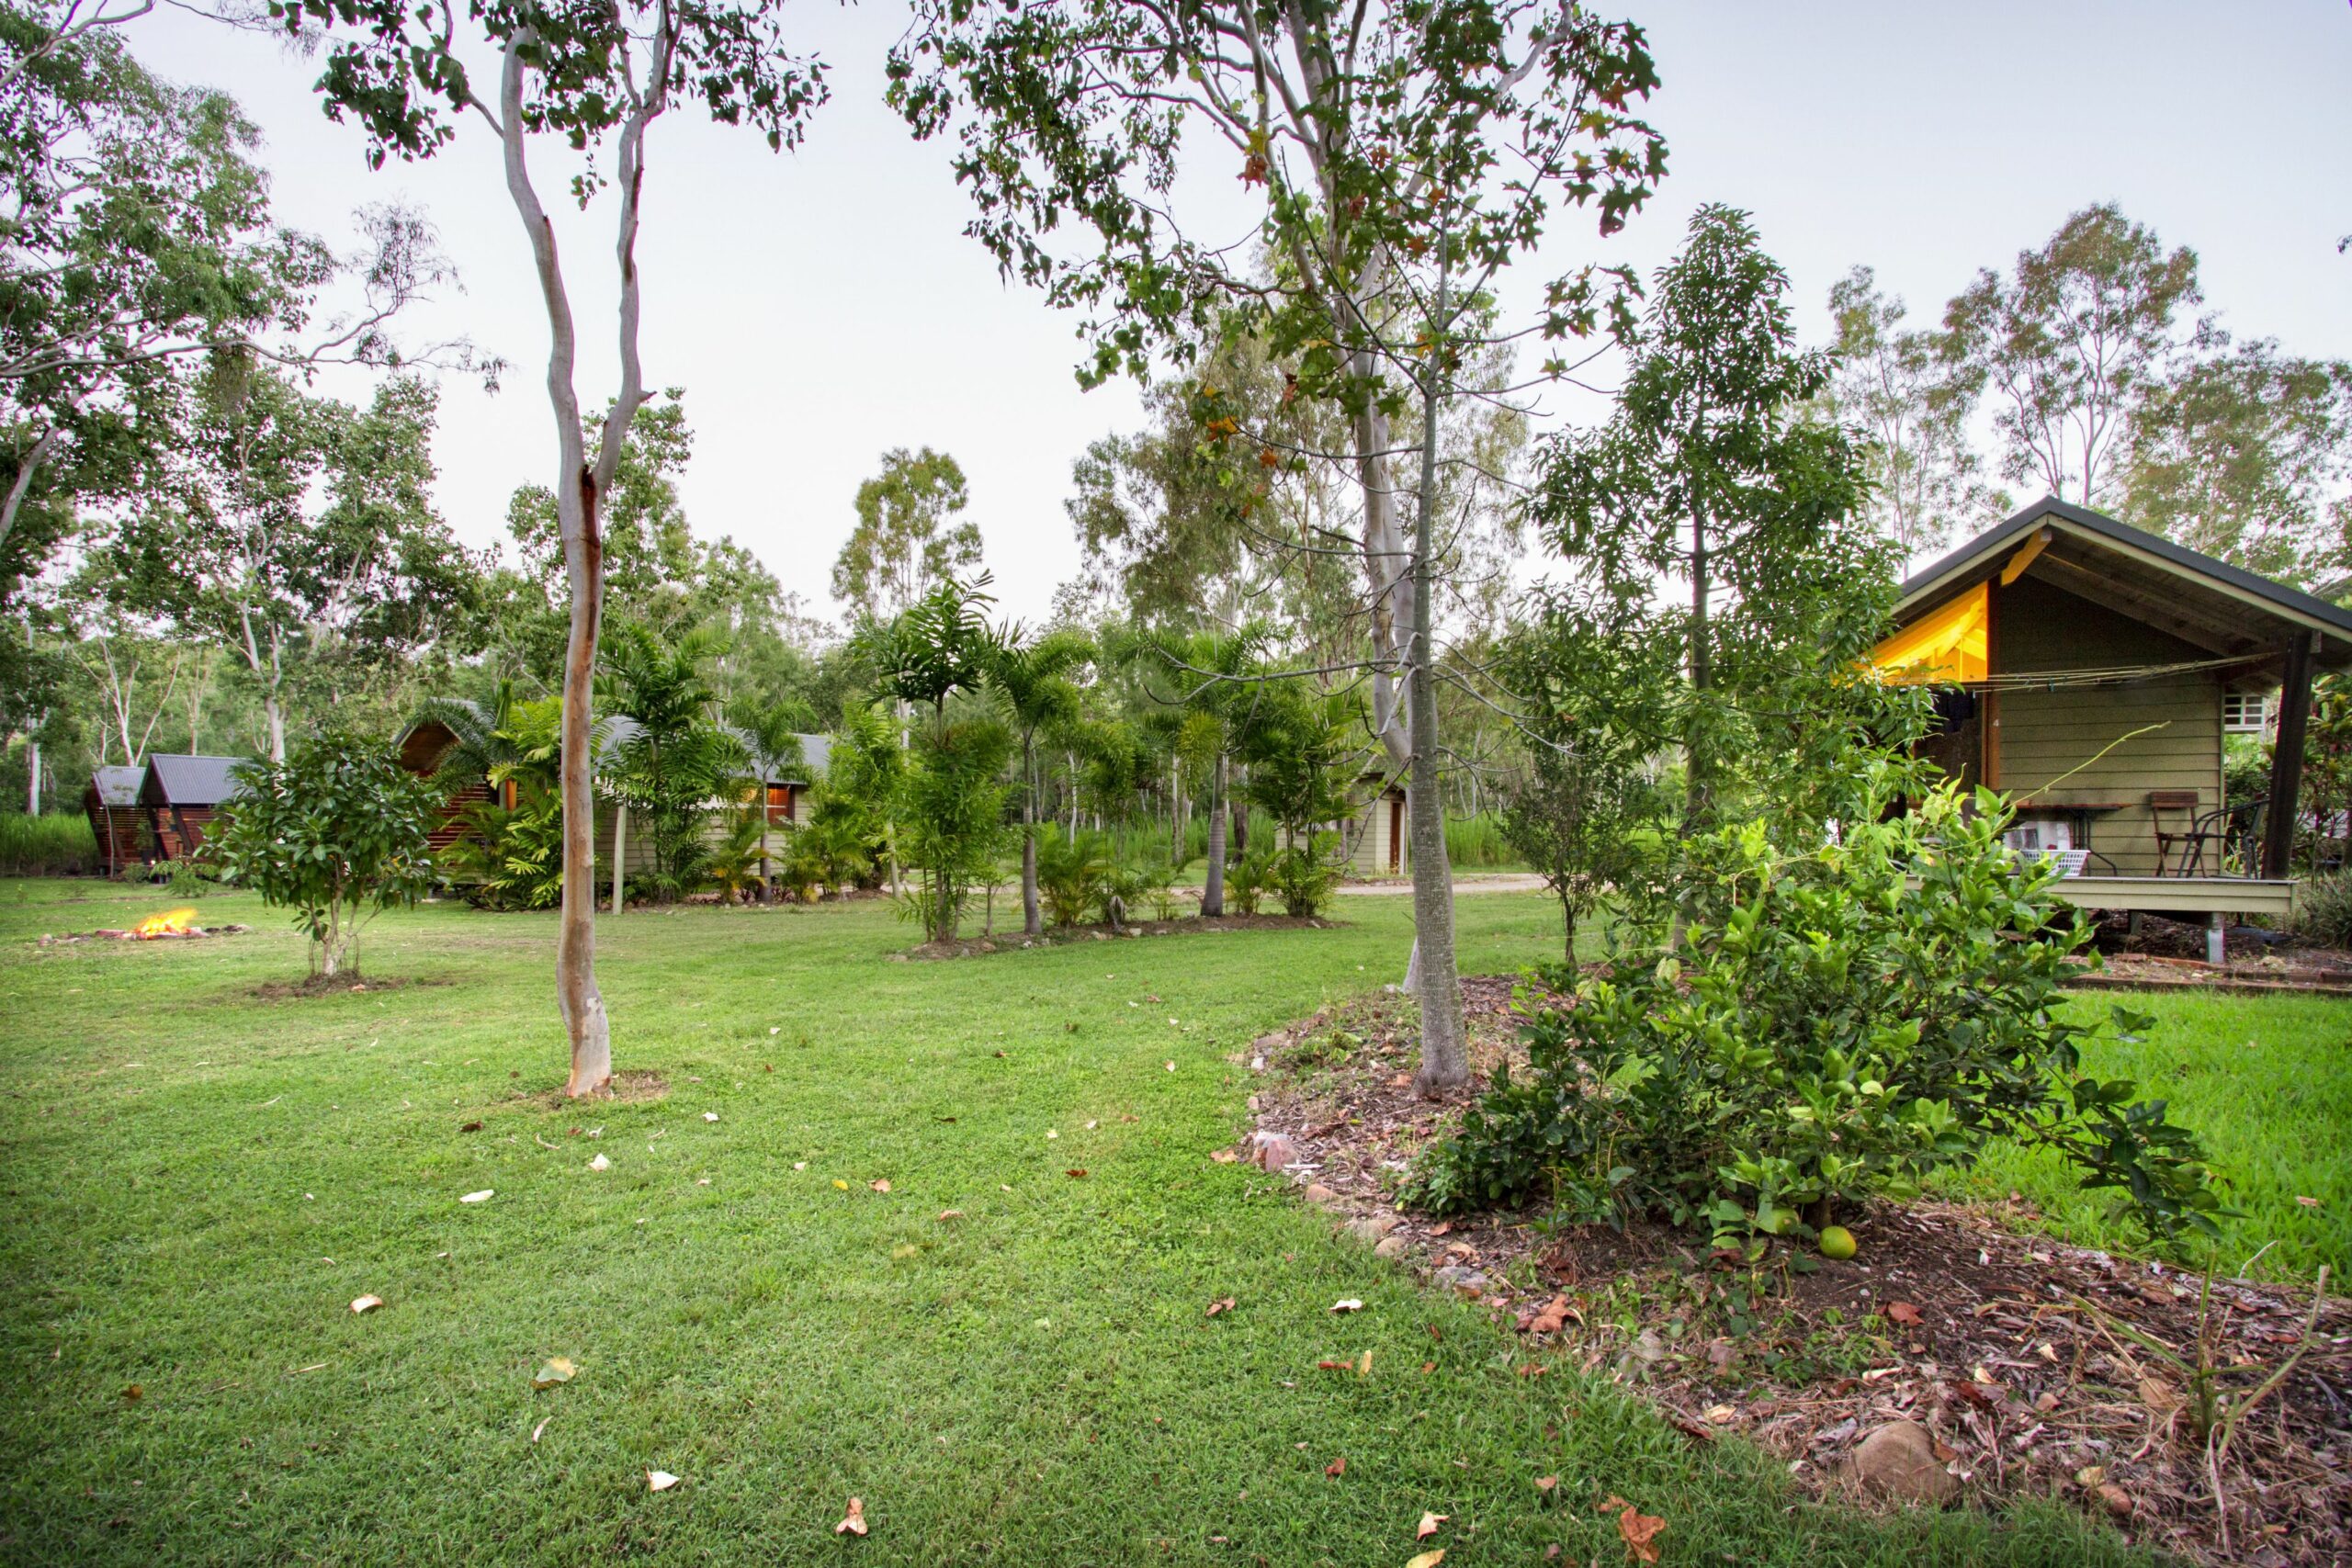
(821, 307)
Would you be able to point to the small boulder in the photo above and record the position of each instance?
(1373, 1229)
(1462, 1278)
(1898, 1462)
(1271, 1151)
(1392, 1247)
(1318, 1193)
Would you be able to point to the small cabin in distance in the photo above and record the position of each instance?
(2089, 669)
(180, 794)
(111, 802)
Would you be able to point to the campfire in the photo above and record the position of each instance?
(170, 922)
(171, 925)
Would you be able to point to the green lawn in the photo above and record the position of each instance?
(198, 1181)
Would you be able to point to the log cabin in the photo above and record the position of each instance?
(2087, 671)
(180, 794)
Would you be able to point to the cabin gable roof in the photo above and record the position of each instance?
(178, 779)
(117, 785)
(2207, 603)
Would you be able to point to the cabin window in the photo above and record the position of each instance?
(779, 803)
(2245, 713)
(506, 794)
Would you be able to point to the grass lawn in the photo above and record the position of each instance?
(198, 1181)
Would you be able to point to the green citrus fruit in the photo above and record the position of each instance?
(1837, 1242)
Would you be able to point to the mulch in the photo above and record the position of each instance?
(2170, 956)
(2021, 1356)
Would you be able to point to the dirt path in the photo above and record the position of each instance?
(1495, 882)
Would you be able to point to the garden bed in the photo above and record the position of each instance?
(2017, 1355)
(2167, 955)
(1055, 936)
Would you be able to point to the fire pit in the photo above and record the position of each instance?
(171, 925)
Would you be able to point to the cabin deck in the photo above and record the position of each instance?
(2181, 895)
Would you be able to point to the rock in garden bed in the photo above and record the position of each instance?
(1952, 1357)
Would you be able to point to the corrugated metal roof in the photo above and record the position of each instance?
(117, 786)
(177, 779)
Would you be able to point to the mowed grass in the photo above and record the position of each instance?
(198, 1181)
(2266, 1083)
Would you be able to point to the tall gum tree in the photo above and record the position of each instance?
(585, 74)
(1389, 140)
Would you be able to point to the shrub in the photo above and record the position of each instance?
(1477, 840)
(2323, 909)
(339, 825)
(1838, 1023)
(1306, 874)
(1247, 880)
(1071, 875)
(52, 844)
(510, 859)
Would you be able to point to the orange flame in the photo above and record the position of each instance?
(170, 922)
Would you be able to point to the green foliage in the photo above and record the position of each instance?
(338, 826)
(52, 844)
(1477, 841)
(1303, 875)
(735, 863)
(508, 858)
(1829, 1032)
(1073, 875)
(1250, 877)
(905, 541)
(951, 827)
(674, 757)
(2323, 909)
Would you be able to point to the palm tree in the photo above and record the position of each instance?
(770, 732)
(1032, 680)
(678, 756)
(1209, 674)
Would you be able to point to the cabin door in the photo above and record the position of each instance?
(1396, 833)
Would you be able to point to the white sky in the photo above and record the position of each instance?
(823, 306)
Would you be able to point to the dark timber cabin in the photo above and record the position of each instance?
(2084, 668)
(180, 796)
(111, 802)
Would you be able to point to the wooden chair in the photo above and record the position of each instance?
(2182, 841)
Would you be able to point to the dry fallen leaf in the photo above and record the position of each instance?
(2307, 1202)
(1546, 1482)
(854, 1523)
(946, 1214)
(1075, 1172)
(1338, 1467)
(600, 1163)
(660, 1480)
(2117, 1501)
(366, 1303)
(1347, 1303)
(540, 1428)
(555, 1369)
(710, 1115)
(481, 1197)
(1429, 1524)
(1639, 1529)
(470, 1127)
(1720, 1415)
(1334, 1366)
(1222, 1304)
(1428, 1559)
(1901, 1312)
(131, 1395)
(881, 1186)
(1363, 1366)
(1224, 1156)
(840, 1183)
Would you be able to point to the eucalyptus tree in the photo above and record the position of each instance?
(2069, 344)
(907, 540)
(1032, 677)
(583, 74)
(1405, 153)
(286, 529)
(1893, 382)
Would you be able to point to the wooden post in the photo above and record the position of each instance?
(2287, 759)
(1988, 708)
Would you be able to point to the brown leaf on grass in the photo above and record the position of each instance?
(1337, 1468)
(1638, 1530)
(1222, 1304)
(1546, 1482)
(1224, 1156)
(1428, 1366)
(882, 1186)
(1427, 1527)
(365, 1303)
(658, 1481)
(1532, 1370)
(1319, 1366)
(1902, 1313)
(556, 1369)
(947, 1215)
(132, 1394)
(1075, 1172)
(854, 1522)
(1427, 1559)
(470, 1127)
(2117, 1501)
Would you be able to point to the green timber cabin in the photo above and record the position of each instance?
(2084, 668)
